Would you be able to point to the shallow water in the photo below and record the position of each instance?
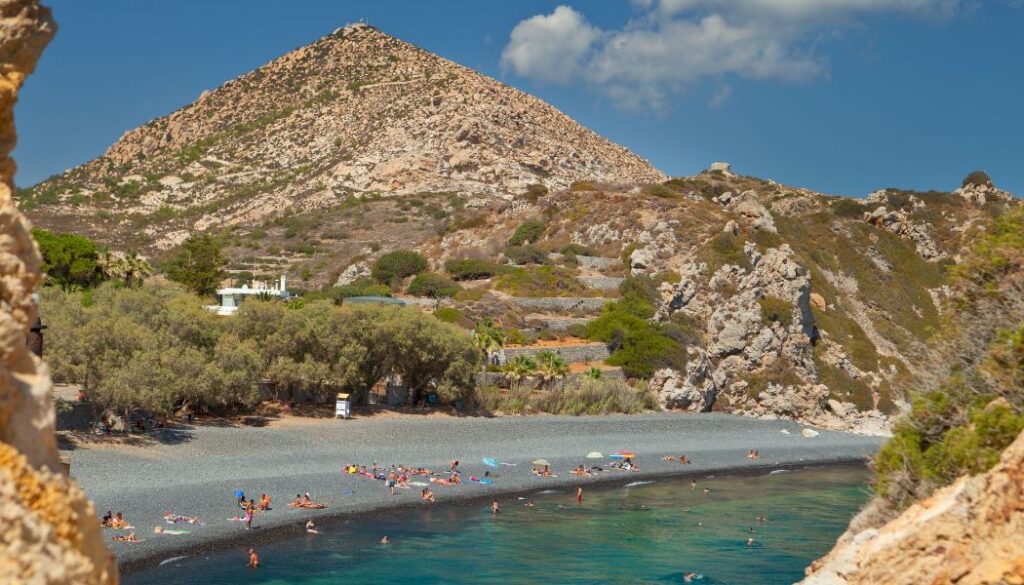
(638, 534)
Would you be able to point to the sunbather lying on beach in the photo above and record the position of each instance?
(306, 502)
(544, 471)
(580, 471)
(440, 481)
(172, 518)
(130, 537)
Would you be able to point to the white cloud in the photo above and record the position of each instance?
(674, 44)
(550, 48)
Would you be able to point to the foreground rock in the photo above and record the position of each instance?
(969, 533)
(48, 530)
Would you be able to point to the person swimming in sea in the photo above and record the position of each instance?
(385, 540)
(494, 507)
(254, 559)
(750, 541)
(310, 527)
(579, 496)
(693, 485)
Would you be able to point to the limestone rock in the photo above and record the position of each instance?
(48, 530)
(353, 273)
(809, 433)
(969, 533)
(721, 167)
(899, 223)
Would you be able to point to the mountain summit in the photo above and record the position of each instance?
(355, 112)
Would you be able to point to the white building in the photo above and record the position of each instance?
(231, 298)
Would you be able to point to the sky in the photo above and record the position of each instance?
(841, 96)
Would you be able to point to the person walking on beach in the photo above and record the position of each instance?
(392, 479)
(254, 559)
(579, 496)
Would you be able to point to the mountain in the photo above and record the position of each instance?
(356, 113)
(784, 301)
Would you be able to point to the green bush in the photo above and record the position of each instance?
(776, 309)
(583, 186)
(394, 266)
(850, 208)
(471, 268)
(526, 255)
(977, 178)
(453, 316)
(639, 346)
(542, 281)
(578, 250)
(640, 286)
(726, 248)
(528, 232)
(535, 191)
(431, 284)
(198, 264)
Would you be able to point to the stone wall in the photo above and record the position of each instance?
(562, 304)
(554, 323)
(573, 354)
(601, 282)
(49, 531)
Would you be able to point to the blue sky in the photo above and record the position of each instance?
(842, 96)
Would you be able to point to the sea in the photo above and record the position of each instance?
(745, 529)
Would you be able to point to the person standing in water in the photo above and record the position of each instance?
(494, 507)
(579, 496)
(254, 559)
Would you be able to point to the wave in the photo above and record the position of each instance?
(777, 471)
(171, 560)
(636, 483)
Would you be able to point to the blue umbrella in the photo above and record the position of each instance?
(490, 462)
(239, 494)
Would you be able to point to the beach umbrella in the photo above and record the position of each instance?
(542, 462)
(594, 455)
(239, 493)
(490, 462)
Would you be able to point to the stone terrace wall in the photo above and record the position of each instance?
(601, 282)
(562, 304)
(555, 323)
(574, 354)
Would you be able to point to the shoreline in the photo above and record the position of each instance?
(281, 532)
(198, 475)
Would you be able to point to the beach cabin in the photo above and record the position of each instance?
(232, 297)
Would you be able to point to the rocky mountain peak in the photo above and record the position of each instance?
(355, 112)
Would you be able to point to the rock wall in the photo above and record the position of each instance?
(969, 533)
(562, 304)
(573, 354)
(49, 531)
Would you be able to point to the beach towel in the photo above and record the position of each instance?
(490, 462)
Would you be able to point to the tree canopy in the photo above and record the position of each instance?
(198, 264)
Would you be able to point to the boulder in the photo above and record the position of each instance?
(353, 273)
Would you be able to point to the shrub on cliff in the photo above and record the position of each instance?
(528, 232)
(471, 268)
(978, 179)
(526, 255)
(431, 284)
(542, 281)
(638, 345)
(394, 266)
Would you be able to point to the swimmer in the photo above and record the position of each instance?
(750, 541)
(385, 540)
(529, 504)
(426, 495)
(750, 529)
(762, 519)
(494, 507)
(699, 524)
(579, 496)
(683, 459)
(707, 491)
(693, 485)
(310, 527)
(689, 577)
(254, 559)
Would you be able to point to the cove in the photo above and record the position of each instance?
(647, 533)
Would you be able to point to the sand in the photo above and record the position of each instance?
(198, 471)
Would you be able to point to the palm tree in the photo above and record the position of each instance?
(133, 268)
(105, 262)
(551, 367)
(593, 373)
(520, 368)
(488, 339)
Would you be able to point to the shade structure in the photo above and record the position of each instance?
(594, 455)
(542, 462)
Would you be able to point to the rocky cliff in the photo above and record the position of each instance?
(48, 530)
(969, 533)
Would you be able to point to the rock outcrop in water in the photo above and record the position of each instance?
(49, 532)
(969, 533)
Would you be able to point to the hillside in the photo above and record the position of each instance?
(355, 114)
(765, 299)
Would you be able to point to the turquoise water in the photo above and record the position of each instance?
(639, 534)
